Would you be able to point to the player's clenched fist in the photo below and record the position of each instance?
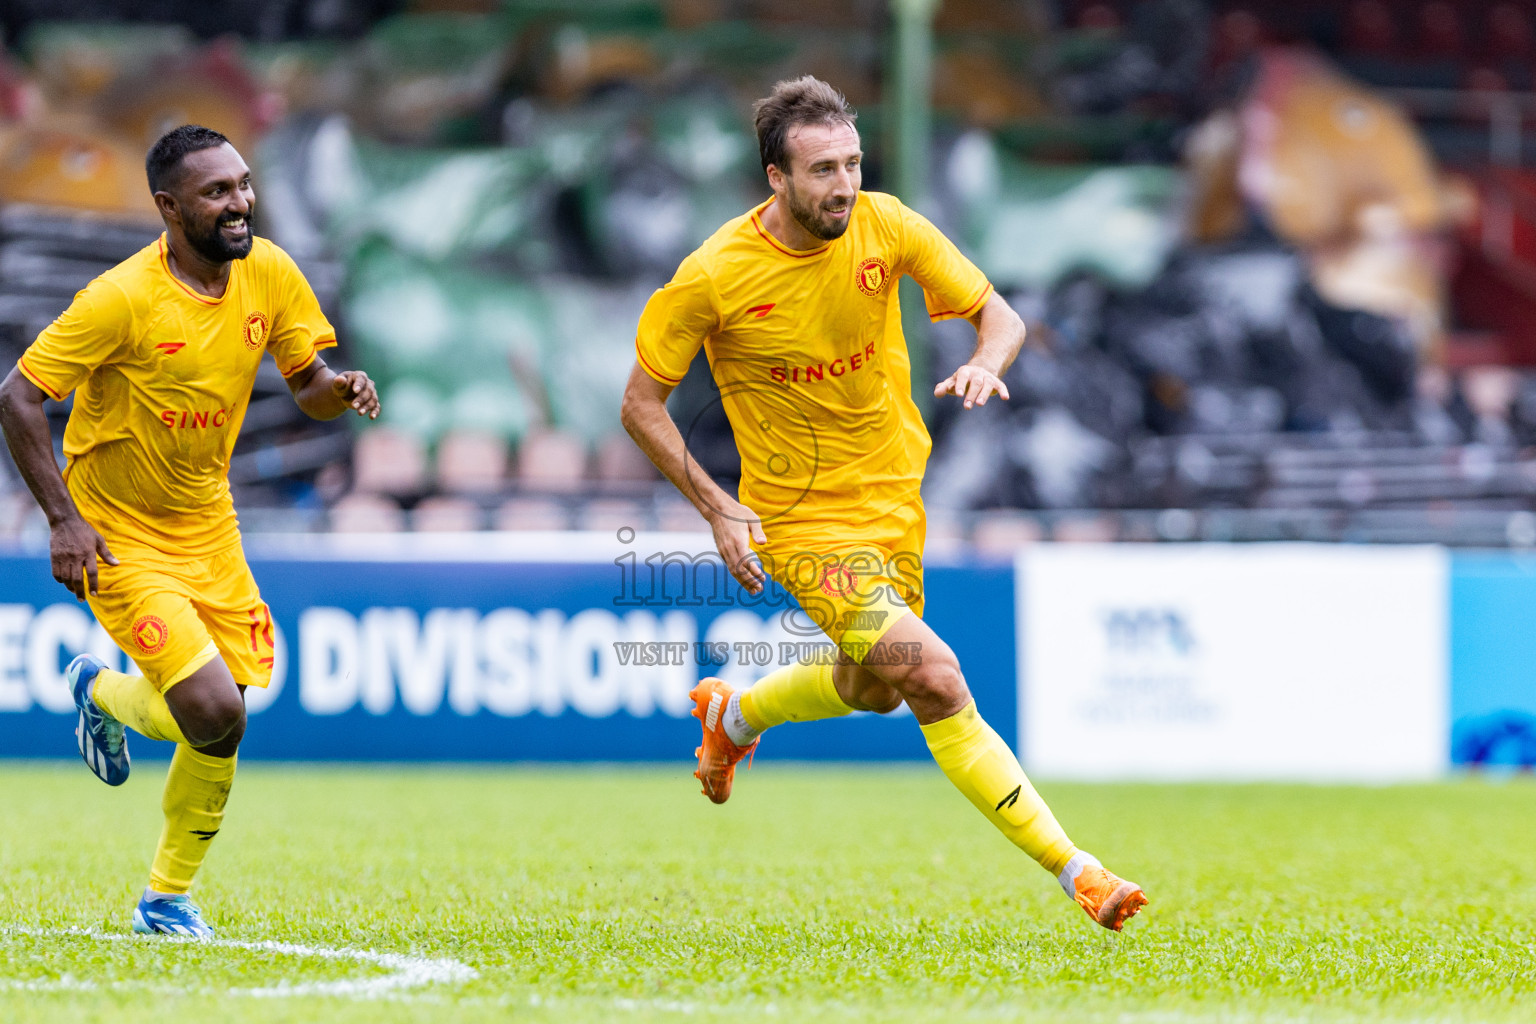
(356, 389)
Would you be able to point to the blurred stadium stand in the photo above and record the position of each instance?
(1282, 255)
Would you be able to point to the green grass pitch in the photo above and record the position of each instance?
(817, 893)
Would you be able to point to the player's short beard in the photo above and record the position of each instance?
(212, 246)
(808, 216)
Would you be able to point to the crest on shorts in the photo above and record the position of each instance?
(838, 581)
(256, 325)
(150, 633)
(872, 275)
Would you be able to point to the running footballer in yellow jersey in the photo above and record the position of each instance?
(795, 306)
(161, 352)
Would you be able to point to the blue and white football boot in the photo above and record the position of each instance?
(170, 915)
(100, 736)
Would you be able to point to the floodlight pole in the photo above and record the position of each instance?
(909, 92)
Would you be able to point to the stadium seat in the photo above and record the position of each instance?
(1440, 32)
(675, 515)
(1087, 529)
(446, 514)
(619, 461)
(1004, 531)
(531, 513)
(1509, 31)
(366, 513)
(388, 462)
(1235, 35)
(551, 460)
(1490, 391)
(611, 514)
(471, 462)
(1370, 28)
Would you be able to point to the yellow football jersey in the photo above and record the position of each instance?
(164, 375)
(807, 350)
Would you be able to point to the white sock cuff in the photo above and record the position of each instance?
(1068, 877)
(155, 894)
(736, 726)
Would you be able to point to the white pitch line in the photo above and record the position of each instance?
(409, 972)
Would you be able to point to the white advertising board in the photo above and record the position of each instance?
(1276, 661)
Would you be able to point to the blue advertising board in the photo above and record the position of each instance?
(502, 658)
(1493, 659)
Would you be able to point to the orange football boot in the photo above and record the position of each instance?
(1109, 899)
(717, 754)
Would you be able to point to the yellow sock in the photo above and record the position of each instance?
(982, 767)
(134, 701)
(196, 789)
(802, 692)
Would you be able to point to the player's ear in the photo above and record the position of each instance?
(775, 178)
(166, 204)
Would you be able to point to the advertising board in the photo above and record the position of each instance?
(500, 647)
(1233, 662)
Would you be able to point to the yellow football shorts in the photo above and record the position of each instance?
(853, 580)
(172, 616)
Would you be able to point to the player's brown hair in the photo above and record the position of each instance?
(794, 102)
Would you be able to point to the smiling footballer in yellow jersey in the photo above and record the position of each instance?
(795, 305)
(161, 353)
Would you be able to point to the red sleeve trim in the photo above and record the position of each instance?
(648, 368)
(968, 310)
(309, 360)
(26, 371)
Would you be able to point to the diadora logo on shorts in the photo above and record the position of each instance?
(185, 418)
(170, 348)
(150, 633)
(872, 276)
(256, 326)
(761, 311)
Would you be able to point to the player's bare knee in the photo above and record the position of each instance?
(871, 694)
(886, 701)
(937, 679)
(229, 744)
(211, 718)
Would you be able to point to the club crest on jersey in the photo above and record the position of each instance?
(256, 330)
(872, 275)
(150, 633)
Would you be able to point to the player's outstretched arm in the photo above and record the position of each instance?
(999, 336)
(735, 526)
(73, 543)
(324, 394)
